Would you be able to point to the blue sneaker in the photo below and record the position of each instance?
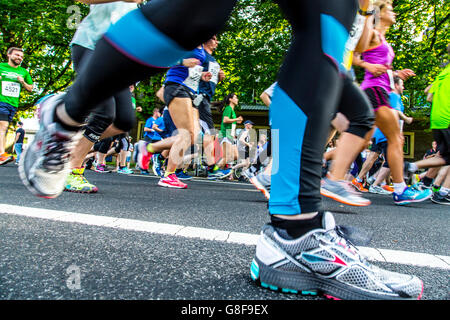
(144, 172)
(225, 173)
(156, 167)
(125, 170)
(411, 195)
(182, 175)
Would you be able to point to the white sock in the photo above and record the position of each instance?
(413, 167)
(444, 191)
(399, 187)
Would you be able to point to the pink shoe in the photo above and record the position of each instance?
(171, 181)
(143, 158)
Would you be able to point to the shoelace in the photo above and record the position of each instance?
(349, 237)
(81, 178)
(57, 152)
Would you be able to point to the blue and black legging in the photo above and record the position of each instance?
(151, 39)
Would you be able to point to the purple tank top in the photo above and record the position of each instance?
(383, 54)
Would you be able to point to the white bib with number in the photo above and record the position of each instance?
(214, 68)
(10, 89)
(195, 75)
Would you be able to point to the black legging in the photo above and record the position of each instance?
(117, 110)
(309, 82)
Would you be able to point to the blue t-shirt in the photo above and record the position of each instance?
(210, 64)
(149, 124)
(396, 103)
(188, 77)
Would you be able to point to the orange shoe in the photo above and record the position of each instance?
(388, 188)
(359, 186)
(5, 158)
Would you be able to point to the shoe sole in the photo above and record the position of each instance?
(260, 187)
(309, 285)
(447, 203)
(340, 199)
(78, 191)
(10, 159)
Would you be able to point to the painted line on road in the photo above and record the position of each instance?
(373, 254)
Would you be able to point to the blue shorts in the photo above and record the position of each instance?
(7, 112)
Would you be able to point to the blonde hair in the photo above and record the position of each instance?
(380, 4)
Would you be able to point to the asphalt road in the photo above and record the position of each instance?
(49, 259)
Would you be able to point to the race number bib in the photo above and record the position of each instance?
(195, 75)
(10, 89)
(214, 68)
(391, 79)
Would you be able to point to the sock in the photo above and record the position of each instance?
(293, 229)
(427, 181)
(435, 188)
(150, 148)
(412, 167)
(399, 187)
(167, 173)
(359, 180)
(444, 191)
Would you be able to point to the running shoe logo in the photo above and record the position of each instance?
(312, 258)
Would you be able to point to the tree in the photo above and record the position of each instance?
(44, 29)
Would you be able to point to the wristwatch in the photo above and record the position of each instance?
(366, 13)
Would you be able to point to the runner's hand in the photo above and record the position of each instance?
(376, 69)
(190, 62)
(206, 76)
(405, 74)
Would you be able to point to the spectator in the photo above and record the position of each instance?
(18, 142)
(154, 127)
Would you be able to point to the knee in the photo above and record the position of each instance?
(125, 124)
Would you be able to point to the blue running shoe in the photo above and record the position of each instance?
(225, 173)
(411, 195)
(156, 167)
(182, 175)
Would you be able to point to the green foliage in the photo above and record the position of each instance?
(251, 49)
(40, 27)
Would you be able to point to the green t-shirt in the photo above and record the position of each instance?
(10, 86)
(133, 102)
(226, 129)
(440, 110)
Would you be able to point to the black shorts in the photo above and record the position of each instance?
(381, 148)
(378, 97)
(7, 112)
(176, 90)
(442, 138)
(205, 116)
(103, 145)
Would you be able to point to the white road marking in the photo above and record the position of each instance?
(373, 254)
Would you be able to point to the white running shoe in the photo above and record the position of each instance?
(44, 165)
